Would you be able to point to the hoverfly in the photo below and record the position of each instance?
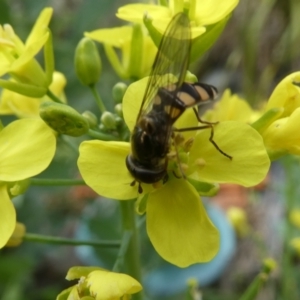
(163, 103)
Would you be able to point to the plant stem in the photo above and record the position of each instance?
(53, 97)
(59, 182)
(102, 136)
(133, 251)
(127, 235)
(98, 99)
(39, 238)
(69, 143)
(289, 282)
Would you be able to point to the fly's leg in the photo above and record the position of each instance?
(140, 189)
(208, 125)
(178, 160)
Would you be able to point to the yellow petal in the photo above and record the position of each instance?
(135, 12)
(213, 11)
(19, 105)
(76, 272)
(249, 164)
(26, 148)
(134, 96)
(230, 107)
(115, 37)
(283, 135)
(110, 286)
(178, 226)
(40, 27)
(132, 101)
(102, 166)
(286, 94)
(7, 216)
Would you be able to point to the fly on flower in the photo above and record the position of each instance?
(166, 98)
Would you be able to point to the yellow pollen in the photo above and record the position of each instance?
(157, 185)
(184, 167)
(200, 162)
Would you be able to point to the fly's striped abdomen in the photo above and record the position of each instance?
(196, 93)
(188, 95)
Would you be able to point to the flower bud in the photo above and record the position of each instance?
(238, 220)
(118, 91)
(190, 77)
(91, 118)
(269, 265)
(119, 110)
(63, 119)
(294, 217)
(19, 187)
(108, 120)
(87, 62)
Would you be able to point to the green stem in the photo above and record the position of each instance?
(119, 263)
(98, 99)
(39, 238)
(69, 143)
(53, 97)
(255, 287)
(133, 251)
(289, 282)
(102, 136)
(55, 182)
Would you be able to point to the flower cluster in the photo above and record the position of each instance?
(99, 284)
(177, 223)
(17, 58)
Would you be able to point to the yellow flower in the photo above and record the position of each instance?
(207, 19)
(282, 135)
(26, 149)
(238, 218)
(12, 103)
(230, 107)
(17, 58)
(99, 284)
(286, 94)
(201, 13)
(177, 223)
(138, 50)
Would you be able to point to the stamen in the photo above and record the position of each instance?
(200, 162)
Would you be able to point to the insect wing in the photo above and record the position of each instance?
(171, 61)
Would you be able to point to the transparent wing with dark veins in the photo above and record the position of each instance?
(172, 59)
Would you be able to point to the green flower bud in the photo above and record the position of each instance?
(119, 110)
(87, 62)
(19, 187)
(108, 120)
(91, 118)
(118, 91)
(267, 119)
(204, 188)
(63, 118)
(190, 77)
